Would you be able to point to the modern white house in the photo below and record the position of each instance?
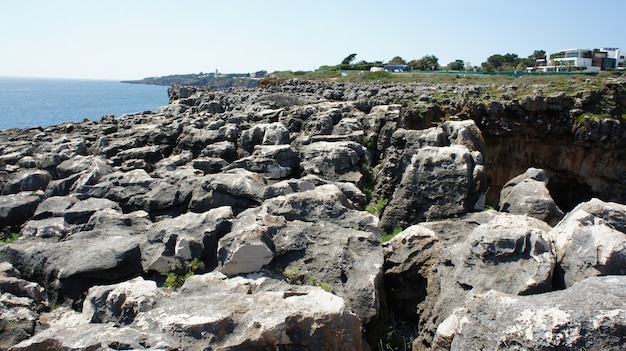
(577, 59)
(592, 60)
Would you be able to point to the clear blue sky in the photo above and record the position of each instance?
(132, 39)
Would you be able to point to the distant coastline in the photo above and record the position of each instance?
(213, 80)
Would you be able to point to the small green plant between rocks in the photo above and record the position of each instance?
(388, 236)
(8, 238)
(378, 207)
(293, 275)
(175, 280)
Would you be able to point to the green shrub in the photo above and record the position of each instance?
(8, 238)
(294, 276)
(175, 280)
(377, 208)
(388, 236)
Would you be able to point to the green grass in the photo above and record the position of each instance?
(444, 77)
(378, 207)
(388, 236)
(175, 280)
(8, 238)
(294, 276)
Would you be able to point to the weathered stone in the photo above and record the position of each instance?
(81, 211)
(191, 235)
(589, 315)
(120, 303)
(238, 188)
(274, 162)
(436, 184)
(431, 267)
(15, 209)
(528, 194)
(591, 240)
(335, 161)
(27, 181)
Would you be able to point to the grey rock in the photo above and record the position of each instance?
(53, 227)
(528, 194)
(81, 211)
(465, 133)
(15, 209)
(433, 266)
(589, 315)
(436, 184)
(591, 240)
(334, 161)
(264, 134)
(11, 282)
(170, 242)
(32, 180)
(54, 206)
(210, 165)
(273, 161)
(248, 247)
(68, 268)
(238, 188)
(237, 313)
(224, 149)
(120, 303)
(18, 319)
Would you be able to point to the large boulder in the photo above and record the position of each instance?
(15, 209)
(236, 314)
(334, 161)
(590, 315)
(273, 161)
(528, 194)
(238, 188)
(66, 269)
(31, 180)
(431, 267)
(591, 240)
(171, 242)
(438, 183)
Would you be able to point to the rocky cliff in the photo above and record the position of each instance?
(262, 219)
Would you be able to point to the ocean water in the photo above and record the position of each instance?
(32, 102)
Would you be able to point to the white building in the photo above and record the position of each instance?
(592, 60)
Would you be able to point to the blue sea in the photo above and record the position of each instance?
(32, 102)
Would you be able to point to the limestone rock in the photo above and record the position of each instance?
(274, 162)
(237, 313)
(191, 235)
(238, 188)
(436, 184)
(32, 180)
(15, 209)
(528, 194)
(589, 315)
(335, 161)
(433, 266)
(591, 240)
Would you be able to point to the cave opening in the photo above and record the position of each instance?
(568, 191)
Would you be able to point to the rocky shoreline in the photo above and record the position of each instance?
(262, 219)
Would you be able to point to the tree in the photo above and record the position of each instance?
(538, 55)
(397, 61)
(348, 60)
(457, 65)
(428, 62)
(496, 61)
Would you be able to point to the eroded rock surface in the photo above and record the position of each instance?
(260, 196)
